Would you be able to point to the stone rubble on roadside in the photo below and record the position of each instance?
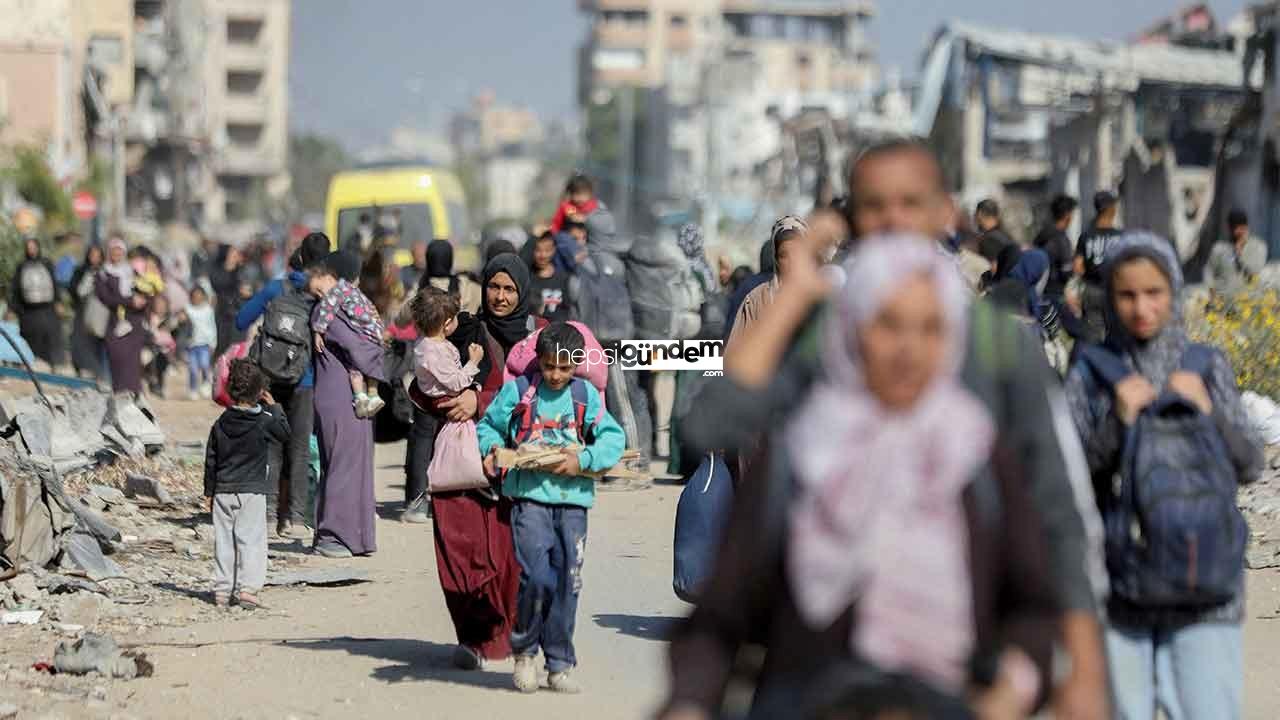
(125, 545)
(1260, 502)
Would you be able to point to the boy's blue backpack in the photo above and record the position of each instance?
(700, 517)
(525, 415)
(1174, 536)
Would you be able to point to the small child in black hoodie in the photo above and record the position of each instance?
(236, 481)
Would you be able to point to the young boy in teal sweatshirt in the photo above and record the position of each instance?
(549, 512)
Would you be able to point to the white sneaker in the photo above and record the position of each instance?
(372, 405)
(563, 682)
(526, 674)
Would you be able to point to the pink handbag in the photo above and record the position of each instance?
(455, 464)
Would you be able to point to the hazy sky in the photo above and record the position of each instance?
(359, 68)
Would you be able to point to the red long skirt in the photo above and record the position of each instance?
(478, 570)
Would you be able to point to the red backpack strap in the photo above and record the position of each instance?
(586, 431)
(525, 412)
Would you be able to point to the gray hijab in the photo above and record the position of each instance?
(1159, 357)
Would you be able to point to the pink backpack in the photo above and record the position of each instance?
(222, 372)
(523, 359)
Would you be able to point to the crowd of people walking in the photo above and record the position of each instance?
(949, 452)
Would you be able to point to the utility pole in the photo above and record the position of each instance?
(711, 183)
(117, 166)
(626, 141)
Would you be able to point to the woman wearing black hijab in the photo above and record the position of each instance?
(474, 551)
(439, 273)
(439, 260)
(87, 349)
(505, 310)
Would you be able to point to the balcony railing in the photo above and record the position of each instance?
(247, 57)
(264, 159)
(246, 108)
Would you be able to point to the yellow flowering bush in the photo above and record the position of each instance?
(1247, 327)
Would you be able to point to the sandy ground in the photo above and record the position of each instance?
(382, 647)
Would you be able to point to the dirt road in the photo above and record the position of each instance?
(382, 648)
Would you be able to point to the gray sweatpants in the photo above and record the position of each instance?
(239, 542)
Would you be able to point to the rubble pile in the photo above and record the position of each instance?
(104, 538)
(1260, 502)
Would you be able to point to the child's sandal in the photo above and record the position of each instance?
(249, 601)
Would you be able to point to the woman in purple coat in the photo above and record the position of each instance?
(345, 512)
(127, 300)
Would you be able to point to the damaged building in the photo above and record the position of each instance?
(1020, 116)
(1247, 168)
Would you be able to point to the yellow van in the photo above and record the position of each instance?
(429, 201)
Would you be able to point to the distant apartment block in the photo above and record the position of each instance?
(246, 78)
(800, 45)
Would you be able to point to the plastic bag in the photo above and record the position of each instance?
(455, 464)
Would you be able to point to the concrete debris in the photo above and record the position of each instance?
(32, 517)
(93, 502)
(135, 420)
(21, 617)
(108, 495)
(130, 448)
(1262, 555)
(140, 485)
(57, 434)
(56, 584)
(24, 588)
(318, 576)
(100, 654)
(189, 549)
(88, 521)
(84, 552)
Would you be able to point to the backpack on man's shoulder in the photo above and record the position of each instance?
(1174, 535)
(283, 345)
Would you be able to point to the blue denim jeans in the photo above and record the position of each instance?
(550, 542)
(198, 369)
(1195, 671)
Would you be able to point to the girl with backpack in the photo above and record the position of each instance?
(1168, 441)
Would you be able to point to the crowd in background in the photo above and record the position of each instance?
(125, 315)
(890, 564)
